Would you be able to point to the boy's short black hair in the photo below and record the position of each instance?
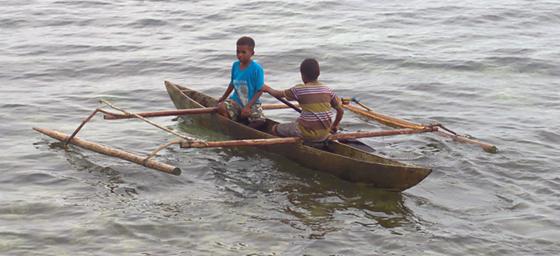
(310, 69)
(245, 40)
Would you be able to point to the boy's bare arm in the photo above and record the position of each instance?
(254, 99)
(226, 93)
(337, 119)
(246, 111)
(336, 103)
(273, 92)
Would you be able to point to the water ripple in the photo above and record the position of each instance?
(488, 69)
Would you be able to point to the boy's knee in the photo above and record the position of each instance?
(256, 124)
(273, 130)
(221, 109)
(220, 106)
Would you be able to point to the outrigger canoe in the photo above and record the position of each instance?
(335, 158)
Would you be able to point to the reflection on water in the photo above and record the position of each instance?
(316, 203)
(315, 200)
(105, 176)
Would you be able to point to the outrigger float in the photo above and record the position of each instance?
(341, 155)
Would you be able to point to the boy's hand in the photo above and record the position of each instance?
(245, 112)
(334, 129)
(265, 88)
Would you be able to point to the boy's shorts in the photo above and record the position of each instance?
(288, 130)
(234, 111)
(292, 130)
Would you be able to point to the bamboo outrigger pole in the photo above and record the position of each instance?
(368, 113)
(357, 135)
(102, 149)
(178, 112)
(292, 140)
(399, 123)
(145, 161)
(190, 111)
(239, 143)
(384, 119)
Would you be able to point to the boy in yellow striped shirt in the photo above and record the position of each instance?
(316, 100)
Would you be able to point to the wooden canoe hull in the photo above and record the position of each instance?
(338, 159)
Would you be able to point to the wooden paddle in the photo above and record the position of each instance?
(289, 104)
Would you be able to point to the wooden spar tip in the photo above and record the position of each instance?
(102, 149)
(489, 148)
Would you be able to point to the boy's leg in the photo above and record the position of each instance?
(222, 110)
(257, 118)
(287, 130)
(273, 130)
(229, 109)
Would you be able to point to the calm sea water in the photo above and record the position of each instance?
(485, 68)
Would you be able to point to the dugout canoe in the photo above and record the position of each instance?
(338, 159)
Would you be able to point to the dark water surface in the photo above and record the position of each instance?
(486, 68)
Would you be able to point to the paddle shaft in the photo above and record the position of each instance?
(288, 103)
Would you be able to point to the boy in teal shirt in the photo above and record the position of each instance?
(247, 81)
